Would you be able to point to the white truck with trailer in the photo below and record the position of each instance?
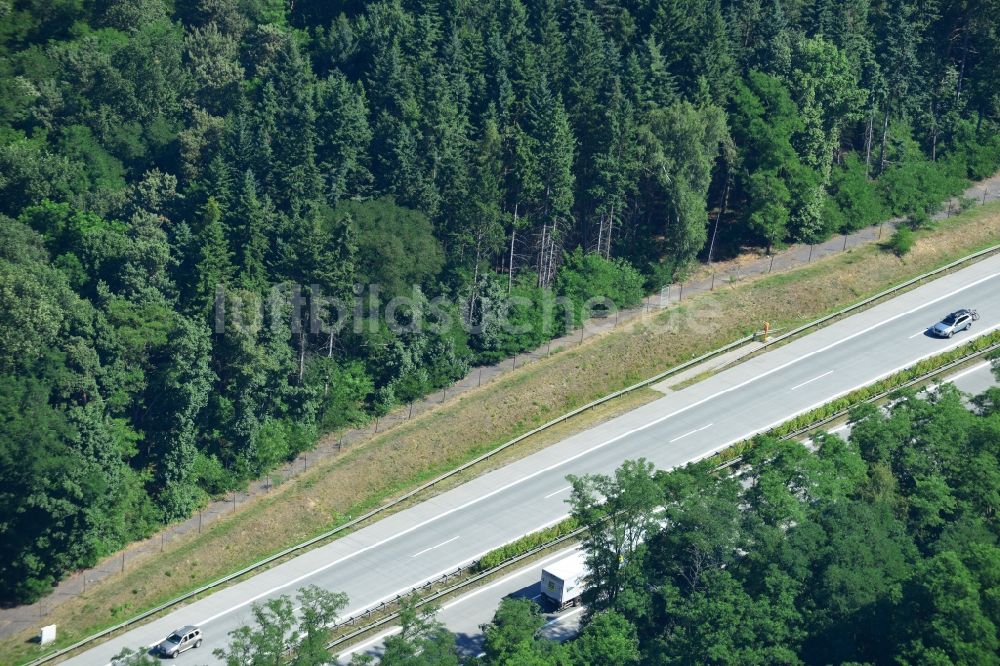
(563, 580)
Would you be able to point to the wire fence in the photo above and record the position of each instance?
(17, 619)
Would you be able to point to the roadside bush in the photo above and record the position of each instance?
(918, 220)
(902, 241)
(854, 201)
(978, 152)
(529, 542)
(914, 183)
(503, 324)
(591, 277)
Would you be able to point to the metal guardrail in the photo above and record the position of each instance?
(493, 452)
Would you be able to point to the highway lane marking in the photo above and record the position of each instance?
(969, 371)
(610, 441)
(427, 550)
(798, 386)
(920, 332)
(575, 611)
(691, 433)
(721, 447)
(561, 490)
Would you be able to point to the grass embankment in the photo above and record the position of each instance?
(418, 450)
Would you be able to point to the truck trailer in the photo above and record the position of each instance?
(563, 580)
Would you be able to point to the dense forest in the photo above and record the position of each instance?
(162, 161)
(881, 549)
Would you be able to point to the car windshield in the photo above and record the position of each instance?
(173, 638)
(950, 319)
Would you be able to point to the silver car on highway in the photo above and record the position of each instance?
(181, 640)
(959, 320)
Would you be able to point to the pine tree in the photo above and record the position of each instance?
(480, 234)
(713, 60)
(344, 137)
(552, 202)
(499, 90)
(524, 68)
(586, 98)
(250, 221)
(649, 82)
(446, 148)
(771, 48)
(297, 176)
(617, 168)
(214, 268)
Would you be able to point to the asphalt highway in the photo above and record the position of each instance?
(456, 527)
(465, 615)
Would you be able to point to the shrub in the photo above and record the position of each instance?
(587, 279)
(902, 241)
(528, 542)
(918, 220)
(854, 201)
